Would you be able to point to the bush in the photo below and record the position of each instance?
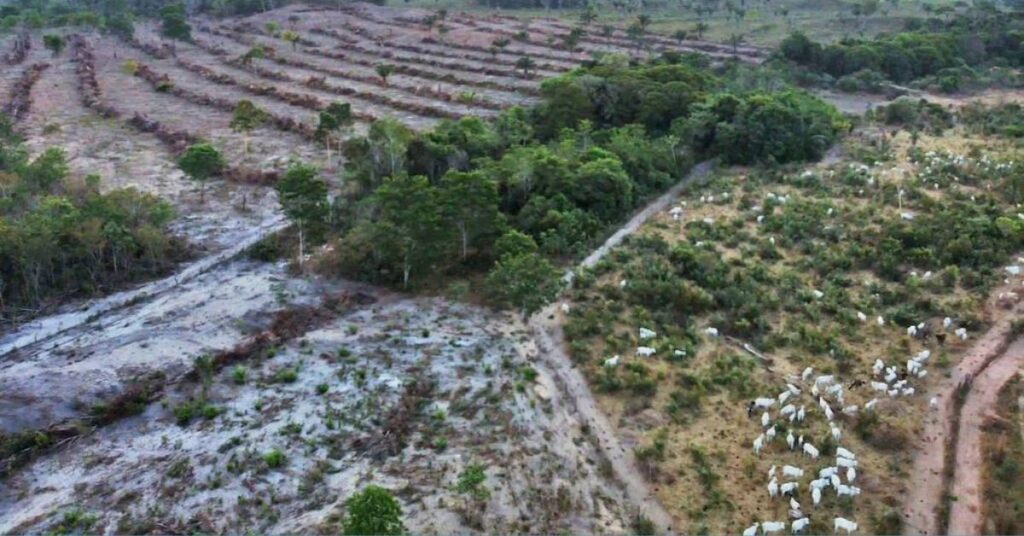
(274, 459)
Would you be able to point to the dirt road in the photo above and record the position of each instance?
(547, 330)
(925, 496)
(966, 513)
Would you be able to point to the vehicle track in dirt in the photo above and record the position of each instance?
(939, 474)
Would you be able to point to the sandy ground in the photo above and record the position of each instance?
(923, 500)
(541, 467)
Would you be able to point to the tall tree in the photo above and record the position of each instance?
(470, 202)
(200, 162)
(54, 43)
(523, 279)
(303, 197)
(335, 118)
(410, 215)
(246, 118)
(174, 24)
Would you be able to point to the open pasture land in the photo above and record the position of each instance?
(830, 292)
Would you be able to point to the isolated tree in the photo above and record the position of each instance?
(173, 23)
(120, 25)
(303, 197)
(255, 53)
(337, 116)
(272, 28)
(700, 28)
(525, 64)
(384, 70)
(373, 512)
(572, 39)
(245, 119)
(200, 162)
(54, 43)
(470, 204)
(680, 35)
(291, 37)
(443, 30)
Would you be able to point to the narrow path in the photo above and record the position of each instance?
(547, 329)
(924, 497)
(966, 514)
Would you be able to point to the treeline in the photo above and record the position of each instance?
(536, 186)
(944, 51)
(59, 238)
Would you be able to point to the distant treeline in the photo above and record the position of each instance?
(934, 48)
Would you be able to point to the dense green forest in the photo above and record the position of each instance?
(946, 53)
(61, 238)
(541, 185)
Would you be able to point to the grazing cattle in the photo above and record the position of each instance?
(807, 373)
(961, 333)
(834, 479)
(759, 444)
(790, 440)
(645, 351)
(751, 530)
(771, 472)
(947, 322)
(879, 386)
(847, 491)
(565, 308)
(845, 462)
(862, 317)
(828, 412)
(934, 403)
(801, 414)
(770, 434)
(788, 409)
(773, 488)
(843, 453)
(837, 434)
(851, 474)
(647, 334)
(922, 373)
(792, 472)
(800, 524)
(771, 527)
(784, 396)
(878, 367)
(764, 403)
(789, 488)
(623, 283)
(612, 362)
(909, 391)
(676, 213)
(871, 405)
(712, 332)
(793, 389)
(850, 410)
(810, 450)
(880, 321)
(816, 496)
(827, 379)
(765, 420)
(793, 505)
(827, 472)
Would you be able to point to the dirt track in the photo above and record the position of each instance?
(987, 364)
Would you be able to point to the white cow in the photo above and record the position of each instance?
(712, 332)
(647, 334)
(764, 403)
(844, 524)
(784, 396)
(837, 434)
(792, 472)
(773, 488)
(816, 496)
(771, 527)
(840, 451)
(879, 386)
(871, 404)
(645, 351)
(807, 373)
(751, 530)
(765, 420)
(934, 402)
(845, 462)
(800, 524)
(789, 488)
(851, 474)
(790, 440)
(612, 362)
(810, 450)
(759, 444)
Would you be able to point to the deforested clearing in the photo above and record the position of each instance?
(510, 267)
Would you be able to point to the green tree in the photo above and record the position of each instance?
(470, 202)
(245, 119)
(372, 512)
(272, 28)
(335, 118)
(410, 224)
(384, 70)
(200, 162)
(303, 197)
(54, 43)
(572, 39)
(525, 281)
(291, 37)
(525, 64)
(46, 172)
(174, 24)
